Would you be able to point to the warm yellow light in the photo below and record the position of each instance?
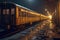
(23, 10)
(50, 17)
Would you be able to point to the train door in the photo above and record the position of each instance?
(10, 18)
(7, 16)
(13, 17)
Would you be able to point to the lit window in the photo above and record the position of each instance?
(4, 11)
(20, 14)
(23, 10)
(24, 14)
(7, 11)
(12, 11)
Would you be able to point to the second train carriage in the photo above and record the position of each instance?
(13, 15)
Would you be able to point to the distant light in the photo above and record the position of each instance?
(45, 9)
(50, 16)
(55, 11)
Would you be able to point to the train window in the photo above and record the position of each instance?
(4, 11)
(30, 15)
(19, 12)
(7, 11)
(12, 11)
(24, 14)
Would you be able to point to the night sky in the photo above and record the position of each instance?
(36, 5)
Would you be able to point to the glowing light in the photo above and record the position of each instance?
(50, 16)
(45, 9)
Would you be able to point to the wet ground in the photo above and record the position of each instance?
(42, 31)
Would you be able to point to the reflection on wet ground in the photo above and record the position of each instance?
(42, 31)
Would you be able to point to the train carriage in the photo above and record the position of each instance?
(7, 15)
(12, 16)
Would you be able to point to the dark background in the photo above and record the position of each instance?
(36, 5)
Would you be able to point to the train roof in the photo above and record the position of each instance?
(21, 7)
(16, 5)
(27, 9)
